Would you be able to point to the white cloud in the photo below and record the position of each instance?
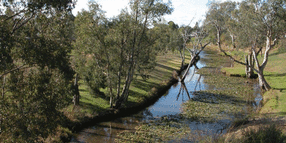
(113, 7)
(81, 4)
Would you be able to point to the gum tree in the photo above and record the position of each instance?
(117, 48)
(34, 68)
(260, 22)
(217, 17)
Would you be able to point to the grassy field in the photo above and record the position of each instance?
(275, 100)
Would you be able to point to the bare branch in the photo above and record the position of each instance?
(26, 21)
(193, 60)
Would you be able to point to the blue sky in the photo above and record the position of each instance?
(184, 10)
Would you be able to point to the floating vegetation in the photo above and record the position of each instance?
(165, 129)
(224, 98)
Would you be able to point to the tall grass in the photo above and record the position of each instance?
(267, 134)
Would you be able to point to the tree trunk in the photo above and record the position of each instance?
(182, 56)
(262, 82)
(218, 38)
(119, 72)
(233, 41)
(193, 61)
(125, 91)
(249, 66)
(76, 91)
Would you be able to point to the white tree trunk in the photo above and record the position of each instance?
(262, 82)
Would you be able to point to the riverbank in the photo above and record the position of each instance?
(273, 111)
(143, 92)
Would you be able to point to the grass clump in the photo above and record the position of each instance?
(268, 134)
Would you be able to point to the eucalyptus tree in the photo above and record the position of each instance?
(260, 22)
(185, 35)
(217, 16)
(142, 40)
(248, 34)
(34, 70)
(231, 23)
(89, 50)
(271, 27)
(109, 50)
(198, 37)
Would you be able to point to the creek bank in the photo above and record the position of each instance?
(110, 114)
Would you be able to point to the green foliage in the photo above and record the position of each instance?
(33, 5)
(35, 72)
(30, 110)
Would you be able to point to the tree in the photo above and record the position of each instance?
(143, 14)
(260, 21)
(217, 16)
(197, 37)
(118, 47)
(172, 25)
(272, 27)
(35, 71)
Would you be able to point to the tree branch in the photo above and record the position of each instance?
(18, 68)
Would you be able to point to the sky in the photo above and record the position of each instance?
(185, 11)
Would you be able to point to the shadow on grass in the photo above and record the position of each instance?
(90, 107)
(144, 85)
(276, 75)
(281, 114)
(165, 67)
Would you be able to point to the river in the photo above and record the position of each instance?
(170, 106)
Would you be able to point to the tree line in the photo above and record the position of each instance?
(253, 25)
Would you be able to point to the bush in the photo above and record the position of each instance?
(269, 134)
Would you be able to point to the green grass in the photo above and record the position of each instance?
(236, 70)
(275, 99)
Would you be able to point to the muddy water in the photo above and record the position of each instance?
(169, 106)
